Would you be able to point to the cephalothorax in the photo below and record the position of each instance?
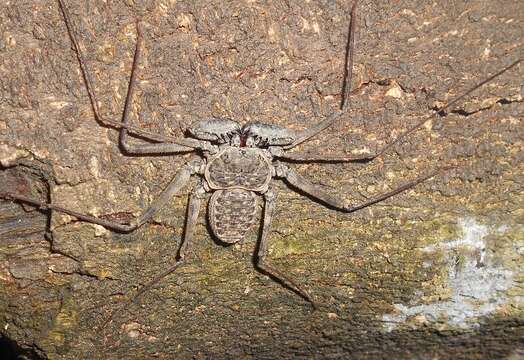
(236, 164)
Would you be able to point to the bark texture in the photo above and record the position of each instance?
(431, 273)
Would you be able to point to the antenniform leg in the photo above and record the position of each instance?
(348, 72)
(193, 209)
(179, 181)
(315, 157)
(260, 259)
(304, 185)
(141, 149)
(173, 144)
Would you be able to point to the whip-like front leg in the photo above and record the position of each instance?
(172, 144)
(299, 182)
(179, 181)
(141, 149)
(260, 260)
(346, 87)
(364, 158)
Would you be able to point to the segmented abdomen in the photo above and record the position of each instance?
(232, 212)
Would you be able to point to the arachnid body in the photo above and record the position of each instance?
(235, 165)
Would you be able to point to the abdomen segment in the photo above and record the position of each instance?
(232, 212)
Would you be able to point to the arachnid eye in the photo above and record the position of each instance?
(219, 130)
(259, 134)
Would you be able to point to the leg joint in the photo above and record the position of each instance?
(281, 170)
(199, 191)
(270, 195)
(195, 166)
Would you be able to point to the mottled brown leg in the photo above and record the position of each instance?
(260, 260)
(299, 182)
(193, 209)
(180, 180)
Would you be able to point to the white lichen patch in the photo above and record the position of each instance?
(395, 91)
(94, 167)
(476, 286)
(9, 155)
(101, 231)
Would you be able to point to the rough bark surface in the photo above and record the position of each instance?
(431, 273)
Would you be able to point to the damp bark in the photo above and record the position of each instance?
(388, 278)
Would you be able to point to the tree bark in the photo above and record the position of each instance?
(431, 273)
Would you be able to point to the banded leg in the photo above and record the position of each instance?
(180, 180)
(304, 185)
(193, 209)
(260, 260)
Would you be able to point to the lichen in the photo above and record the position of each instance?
(477, 286)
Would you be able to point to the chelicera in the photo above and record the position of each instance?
(236, 164)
